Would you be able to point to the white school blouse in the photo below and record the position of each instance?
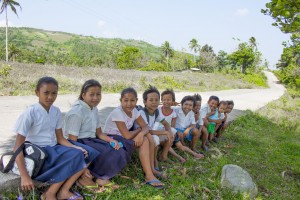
(118, 115)
(82, 121)
(38, 126)
(203, 112)
(168, 118)
(184, 121)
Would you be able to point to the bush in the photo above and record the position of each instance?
(5, 70)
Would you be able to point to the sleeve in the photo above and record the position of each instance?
(160, 118)
(193, 118)
(98, 119)
(116, 116)
(142, 113)
(24, 123)
(174, 114)
(59, 120)
(136, 113)
(72, 124)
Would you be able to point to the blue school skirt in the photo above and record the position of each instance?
(109, 162)
(63, 162)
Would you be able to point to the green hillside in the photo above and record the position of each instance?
(40, 46)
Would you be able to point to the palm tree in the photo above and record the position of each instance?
(253, 43)
(194, 46)
(168, 51)
(11, 4)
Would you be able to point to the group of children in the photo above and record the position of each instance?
(90, 157)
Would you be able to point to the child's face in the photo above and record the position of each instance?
(152, 101)
(197, 106)
(92, 96)
(222, 108)
(167, 100)
(213, 104)
(187, 106)
(128, 102)
(229, 108)
(47, 94)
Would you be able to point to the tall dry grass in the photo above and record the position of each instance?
(22, 79)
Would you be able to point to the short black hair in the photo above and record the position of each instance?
(150, 89)
(214, 98)
(188, 98)
(223, 102)
(197, 97)
(128, 90)
(47, 80)
(230, 103)
(168, 91)
(87, 85)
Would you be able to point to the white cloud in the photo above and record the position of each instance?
(242, 12)
(101, 23)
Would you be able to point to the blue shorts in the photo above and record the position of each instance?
(189, 136)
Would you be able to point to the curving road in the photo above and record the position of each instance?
(12, 106)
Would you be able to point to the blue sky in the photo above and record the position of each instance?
(214, 22)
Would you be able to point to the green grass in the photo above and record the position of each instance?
(263, 145)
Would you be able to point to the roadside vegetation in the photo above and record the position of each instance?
(20, 79)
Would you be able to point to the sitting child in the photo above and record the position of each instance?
(196, 110)
(162, 136)
(168, 99)
(185, 121)
(224, 124)
(205, 111)
(118, 125)
(41, 124)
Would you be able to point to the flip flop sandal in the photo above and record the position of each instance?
(91, 188)
(155, 186)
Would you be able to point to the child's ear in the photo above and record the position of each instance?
(36, 92)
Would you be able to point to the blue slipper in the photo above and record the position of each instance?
(76, 196)
(155, 186)
(157, 169)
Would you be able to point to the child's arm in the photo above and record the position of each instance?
(26, 181)
(104, 137)
(63, 141)
(187, 130)
(173, 122)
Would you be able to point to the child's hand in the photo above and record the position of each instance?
(115, 144)
(87, 173)
(26, 183)
(82, 149)
(170, 136)
(186, 132)
(138, 140)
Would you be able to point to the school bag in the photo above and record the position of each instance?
(34, 157)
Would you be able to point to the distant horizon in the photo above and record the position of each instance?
(215, 23)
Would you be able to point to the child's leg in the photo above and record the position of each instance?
(144, 156)
(64, 192)
(152, 152)
(166, 146)
(204, 137)
(172, 152)
(186, 149)
(196, 135)
(52, 191)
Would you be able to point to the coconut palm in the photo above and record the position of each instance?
(167, 51)
(194, 46)
(12, 4)
(253, 42)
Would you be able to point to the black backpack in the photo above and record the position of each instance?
(33, 154)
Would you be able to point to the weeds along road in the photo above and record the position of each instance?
(12, 106)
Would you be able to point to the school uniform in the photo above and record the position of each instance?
(111, 129)
(38, 127)
(203, 112)
(82, 121)
(184, 121)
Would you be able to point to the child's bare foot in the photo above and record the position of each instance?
(182, 160)
(68, 195)
(199, 156)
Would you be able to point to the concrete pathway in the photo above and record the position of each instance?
(12, 106)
